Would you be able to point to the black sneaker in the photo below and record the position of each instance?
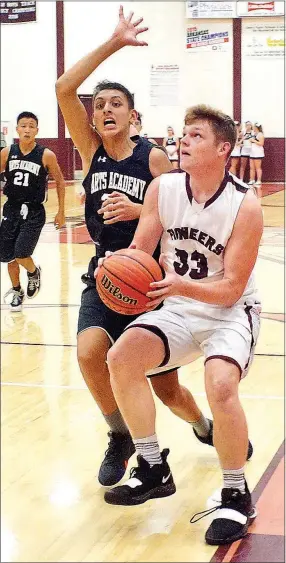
(233, 517)
(17, 299)
(114, 465)
(34, 283)
(145, 482)
(209, 439)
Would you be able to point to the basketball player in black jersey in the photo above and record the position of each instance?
(26, 167)
(117, 172)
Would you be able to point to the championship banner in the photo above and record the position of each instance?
(210, 10)
(260, 8)
(202, 39)
(17, 12)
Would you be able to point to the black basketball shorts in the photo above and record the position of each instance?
(93, 313)
(20, 230)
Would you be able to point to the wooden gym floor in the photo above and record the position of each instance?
(53, 436)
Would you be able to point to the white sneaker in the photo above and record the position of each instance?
(251, 182)
(258, 183)
(17, 299)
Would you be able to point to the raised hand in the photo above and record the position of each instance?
(126, 31)
(118, 207)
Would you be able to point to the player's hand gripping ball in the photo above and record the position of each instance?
(124, 278)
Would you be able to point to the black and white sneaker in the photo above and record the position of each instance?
(209, 439)
(232, 517)
(34, 283)
(114, 465)
(145, 483)
(17, 299)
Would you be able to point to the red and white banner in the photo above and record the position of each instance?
(260, 8)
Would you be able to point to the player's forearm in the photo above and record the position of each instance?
(61, 188)
(223, 292)
(75, 76)
(146, 242)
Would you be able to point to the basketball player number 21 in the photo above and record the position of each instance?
(182, 267)
(18, 179)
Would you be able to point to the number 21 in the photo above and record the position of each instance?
(18, 179)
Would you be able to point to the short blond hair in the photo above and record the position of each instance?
(222, 125)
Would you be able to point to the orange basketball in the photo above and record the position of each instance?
(124, 279)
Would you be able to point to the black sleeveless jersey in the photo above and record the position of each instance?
(170, 141)
(26, 176)
(131, 177)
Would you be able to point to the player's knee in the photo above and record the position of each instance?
(118, 360)
(90, 358)
(221, 393)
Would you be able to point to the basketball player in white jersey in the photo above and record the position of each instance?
(210, 225)
(112, 224)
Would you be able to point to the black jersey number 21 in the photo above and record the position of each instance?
(21, 179)
(182, 267)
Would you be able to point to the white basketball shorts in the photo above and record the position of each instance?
(228, 333)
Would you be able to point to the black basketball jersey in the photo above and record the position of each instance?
(26, 176)
(131, 177)
(170, 141)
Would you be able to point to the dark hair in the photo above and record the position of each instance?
(107, 85)
(28, 115)
(139, 117)
(259, 126)
(222, 125)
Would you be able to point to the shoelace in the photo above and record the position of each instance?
(112, 448)
(210, 510)
(15, 294)
(204, 513)
(32, 282)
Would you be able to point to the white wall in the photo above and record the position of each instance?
(28, 69)
(88, 24)
(263, 77)
(28, 60)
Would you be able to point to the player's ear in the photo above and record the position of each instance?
(133, 116)
(224, 148)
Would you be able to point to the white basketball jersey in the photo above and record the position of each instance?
(196, 234)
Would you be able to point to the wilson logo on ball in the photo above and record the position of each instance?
(116, 291)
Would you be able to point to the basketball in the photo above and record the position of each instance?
(124, 279)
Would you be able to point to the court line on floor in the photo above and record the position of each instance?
(5, 307)
(270, 259)
(81, 388)
(74, 346)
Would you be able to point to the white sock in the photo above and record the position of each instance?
(234, 479)
(149, 449)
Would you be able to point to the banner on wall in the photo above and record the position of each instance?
(17, 12)
(164, 85)
(201, 39)
(210, 9)
(260, 8)
(263, 41)
(6, 134)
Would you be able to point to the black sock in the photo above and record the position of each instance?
(30, 274)
(17, 287)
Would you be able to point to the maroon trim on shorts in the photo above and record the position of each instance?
(156, 330)
(164, 372)
(247, 310)
(226, 358)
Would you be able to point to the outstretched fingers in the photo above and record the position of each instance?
(140, 20)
